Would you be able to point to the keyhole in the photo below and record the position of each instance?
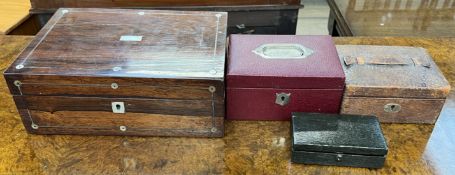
(392, 107)
(118, 107)
(339, 156)
(282, 98)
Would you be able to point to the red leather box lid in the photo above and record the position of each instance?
(247, 69)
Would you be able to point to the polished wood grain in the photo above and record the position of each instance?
(126, 87)
(171, 63)
(394, 17)
(249, 147)
(139, 105)
(88, 42)
(136, 124)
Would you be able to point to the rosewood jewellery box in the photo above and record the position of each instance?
(245, 16)
(123, 72)
(397, 84)
(333, 139)
(270, 76)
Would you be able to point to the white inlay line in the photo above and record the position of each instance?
(28, 111)
(218, 16)
(41, 40)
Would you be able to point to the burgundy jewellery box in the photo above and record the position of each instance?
(270, 76)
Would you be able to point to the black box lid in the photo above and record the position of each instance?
(349, 134)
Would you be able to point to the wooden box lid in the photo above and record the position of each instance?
(334, 133)
(283, 61)
(128, 43)
(391, 71)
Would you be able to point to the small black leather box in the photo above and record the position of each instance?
(342, 140)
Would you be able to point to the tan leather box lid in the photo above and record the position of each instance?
(391, 71)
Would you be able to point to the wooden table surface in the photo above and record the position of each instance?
(249, 147)
(435, 18)
(12, 13)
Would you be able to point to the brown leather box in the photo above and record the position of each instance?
(395, 83)
(123, 72)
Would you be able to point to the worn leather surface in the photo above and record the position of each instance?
(333, 133)
(315, 83)
(411, 110)
(352, 160)
(391, 71)
(259, 103)
(320, 70)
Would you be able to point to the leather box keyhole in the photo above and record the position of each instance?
(392, 107)
(282, 99)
